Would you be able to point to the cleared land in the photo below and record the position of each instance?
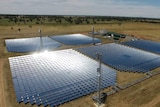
(2, 93)
(144, 94)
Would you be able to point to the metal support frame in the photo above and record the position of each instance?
(40, 36)
(93, 35)
(99, 99)
(99, 74)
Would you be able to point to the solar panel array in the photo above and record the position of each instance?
(124, 58)
(53, 78)
(146, 45)
(75, 39)
(31, 44)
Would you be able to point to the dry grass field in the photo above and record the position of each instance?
(144, 94)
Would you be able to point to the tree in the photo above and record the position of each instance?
(119, 24)
(30, 26)
(19, 29)
(87, 21)
(36, 22)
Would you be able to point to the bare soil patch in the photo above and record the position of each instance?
(2, 89)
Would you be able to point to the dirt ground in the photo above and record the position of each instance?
(2, 92)
(144, 94)
(153, 102)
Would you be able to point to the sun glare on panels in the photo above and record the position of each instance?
(31, 44)
(53, 78)
(75, 39)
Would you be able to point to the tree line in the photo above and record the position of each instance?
(44, 19)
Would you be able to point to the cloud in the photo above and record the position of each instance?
(134, 8)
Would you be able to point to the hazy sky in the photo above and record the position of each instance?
(136, 8)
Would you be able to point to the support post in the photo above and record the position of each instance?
(98, 55)
(93, 35)
(40, 36)
(99, 99)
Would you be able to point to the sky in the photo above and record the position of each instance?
(131, 8)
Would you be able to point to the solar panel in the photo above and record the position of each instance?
(53, 78)
(31, 44)
(75, 39)
(124, 58)
(146, 45)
